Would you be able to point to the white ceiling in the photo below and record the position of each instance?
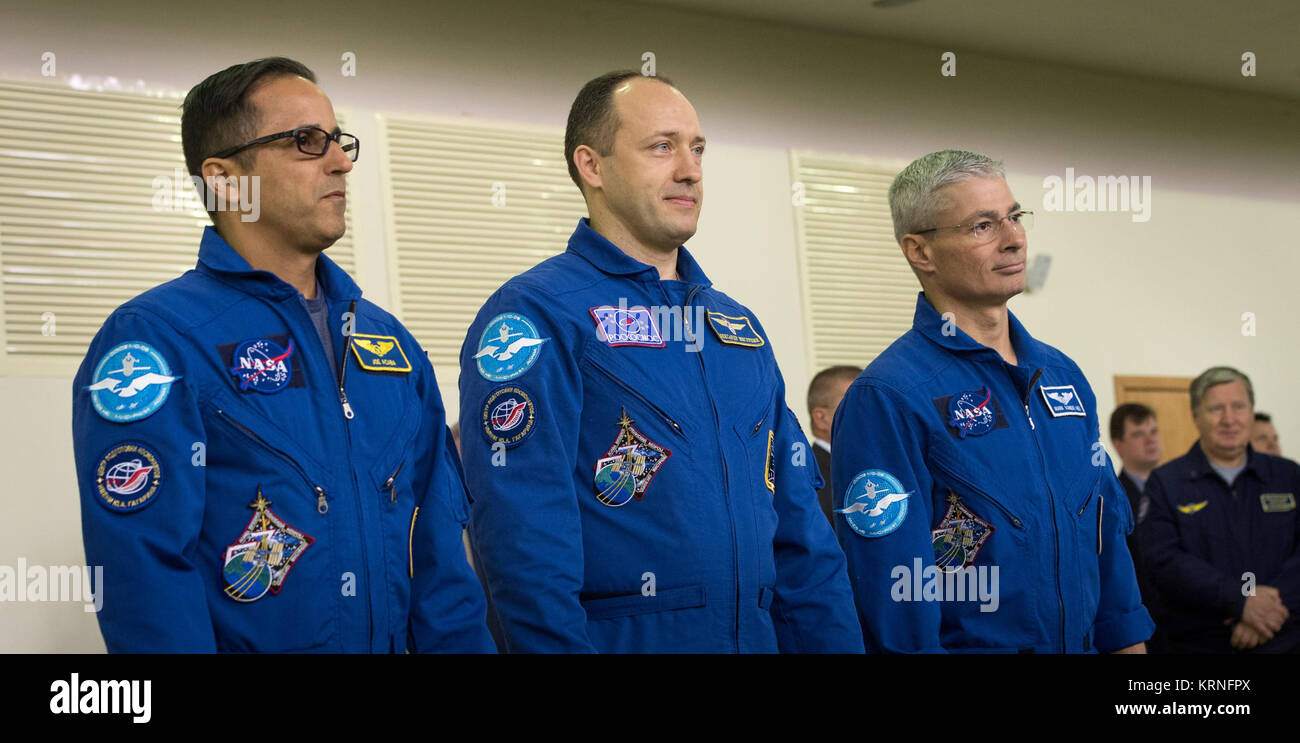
(1192, 41)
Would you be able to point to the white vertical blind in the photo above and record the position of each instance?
(85, 222)
(469, 206)
(859, 293)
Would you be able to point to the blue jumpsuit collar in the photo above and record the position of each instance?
(610, 259)
(218, 258)
(928, 322)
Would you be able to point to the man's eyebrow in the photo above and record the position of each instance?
(990, 214)
(666, 134)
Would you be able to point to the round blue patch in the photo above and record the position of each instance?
(262, 364)
(971, 413)
(128, 477)
(875, 503)
(509, 416)
(509, 346)
(130, 383)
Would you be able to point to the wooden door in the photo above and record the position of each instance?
(1168, 396)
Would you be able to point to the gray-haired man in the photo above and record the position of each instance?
(975, 506)
(1220, 539)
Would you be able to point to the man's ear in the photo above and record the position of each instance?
(919, 253)
(588, 164)
(220, 183)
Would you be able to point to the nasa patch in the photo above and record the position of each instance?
(627, 326)
(1062, 401)
(130, 383)
(268, 364)
(128, 477)
(972, 413)
(509, 416)
(875, 503)
(509, 346)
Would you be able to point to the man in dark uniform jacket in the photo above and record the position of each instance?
(1136, 438)
(824, 395)
(1222, 537)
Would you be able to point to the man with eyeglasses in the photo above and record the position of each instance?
(976, 508)
(263, 455)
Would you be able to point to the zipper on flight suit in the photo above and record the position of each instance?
(1051, 501)
(722, 459)
(322, 500)
(640, 397)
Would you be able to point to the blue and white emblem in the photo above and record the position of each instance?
(130, 382)
(875, 503)
(509, 416)
(509, 347)
(1062, 400)
(627, 326)
(971, 413)
(262, 364)
(128, 476)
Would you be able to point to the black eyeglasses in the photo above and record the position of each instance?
(311, 140)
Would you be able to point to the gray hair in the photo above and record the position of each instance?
(912, 200)
(1214, 376)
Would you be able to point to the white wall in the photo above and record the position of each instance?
(1161, 297)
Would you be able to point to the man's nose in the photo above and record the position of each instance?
(689, 168)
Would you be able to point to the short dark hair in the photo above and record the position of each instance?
(819, 389)
(216, 114)
(592, 120)
(1129, 411)
(1263, 418)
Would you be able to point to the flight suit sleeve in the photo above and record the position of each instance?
(813, 608)
(1175, 571)
(448, 610)
(1122, 620)
(525, 522)
(874, 430)
(145, 533)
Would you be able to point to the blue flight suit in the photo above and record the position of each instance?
(1202, 535)
(957, 472)
(244, 494)
(638, 483)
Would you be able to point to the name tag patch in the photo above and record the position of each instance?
(735, 331)
(1062, 401)
(1277, 502)
(380, 353)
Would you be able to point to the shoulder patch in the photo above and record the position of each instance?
(128, 477)
(735, 331)
(509, 346)
(509, 416)
(379, 353)
(130, 382)
(874, 504)
(627, 326)
(1062, 400)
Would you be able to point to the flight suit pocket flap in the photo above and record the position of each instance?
(665, 599)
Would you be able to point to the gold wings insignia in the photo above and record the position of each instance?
(378, 348)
